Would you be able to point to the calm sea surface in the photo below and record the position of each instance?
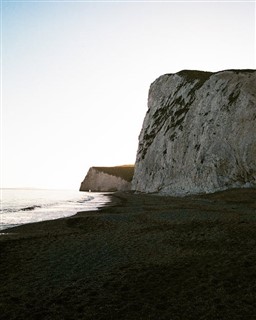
(21, 206)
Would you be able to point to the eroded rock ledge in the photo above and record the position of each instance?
(199, 133)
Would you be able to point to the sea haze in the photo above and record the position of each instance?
(21, 206)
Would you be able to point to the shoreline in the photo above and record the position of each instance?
(141, 257)
(68, 212)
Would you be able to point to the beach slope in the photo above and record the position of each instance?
(144, 257)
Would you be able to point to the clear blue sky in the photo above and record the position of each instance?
(75, 77)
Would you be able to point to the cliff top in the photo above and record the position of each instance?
(125, 172)
(199, 76)
(191, 75)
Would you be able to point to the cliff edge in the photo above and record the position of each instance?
(108, 179)
(199, 133)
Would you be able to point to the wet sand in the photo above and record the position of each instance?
(145, 257)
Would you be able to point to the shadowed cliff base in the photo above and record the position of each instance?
(146, 257)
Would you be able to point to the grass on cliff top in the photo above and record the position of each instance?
(125, 172)
(191, 75)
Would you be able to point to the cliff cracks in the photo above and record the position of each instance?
(199, 133)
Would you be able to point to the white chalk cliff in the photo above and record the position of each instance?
(108, 179)
(199, 133)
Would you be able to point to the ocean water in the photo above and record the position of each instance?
(21, 206)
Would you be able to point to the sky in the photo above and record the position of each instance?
(75, 76)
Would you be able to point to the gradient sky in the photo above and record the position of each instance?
(75, 77)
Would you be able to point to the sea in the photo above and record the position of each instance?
(22, 206)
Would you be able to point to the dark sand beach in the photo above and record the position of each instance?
(144, 257)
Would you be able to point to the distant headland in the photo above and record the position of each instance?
(108, 179)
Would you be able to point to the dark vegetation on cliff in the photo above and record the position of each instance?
(174, 107)
(205, 75)
(192, 75)
(125, 172)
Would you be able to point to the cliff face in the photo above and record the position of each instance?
(107, 179)
(199, 133)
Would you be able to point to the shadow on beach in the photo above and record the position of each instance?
(143, 257)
